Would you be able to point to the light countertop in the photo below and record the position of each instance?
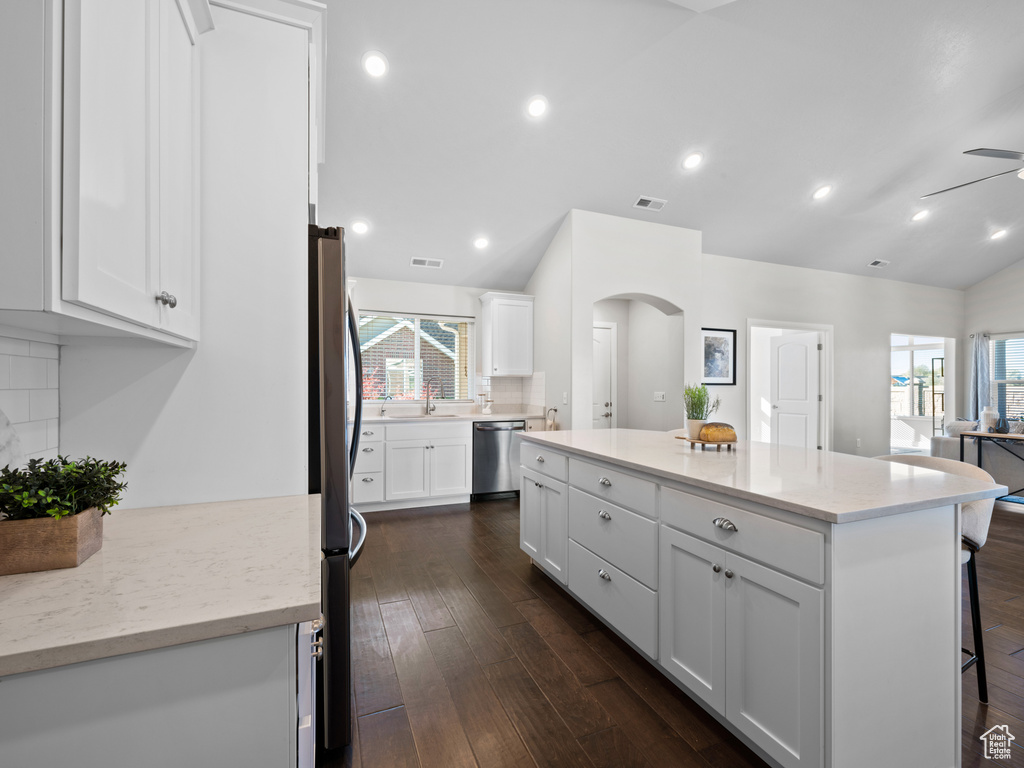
(835, 487)
(166, 576)
(371, 415)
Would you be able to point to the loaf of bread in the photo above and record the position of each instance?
(717, 432)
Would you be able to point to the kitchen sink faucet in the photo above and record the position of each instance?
(426, 386)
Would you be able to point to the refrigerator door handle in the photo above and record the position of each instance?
(357, 359)
(355, 551)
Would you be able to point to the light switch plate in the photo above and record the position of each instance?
(659, 397)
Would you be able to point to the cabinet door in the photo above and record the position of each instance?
(554, 528)
(406, 470)
(773, 658)
(530, 502)
(512, 338)
(692, 615)
(178, 246)
(110, 128)
(451, 466)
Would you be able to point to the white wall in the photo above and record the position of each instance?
(29, 398)
(415, 298)
(226, 420)
(656, 343)
(612, 257)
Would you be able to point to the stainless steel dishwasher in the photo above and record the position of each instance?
(496, 458)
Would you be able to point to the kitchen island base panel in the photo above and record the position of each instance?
(225, 701)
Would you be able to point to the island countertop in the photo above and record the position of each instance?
(834, 487)
(167, 576)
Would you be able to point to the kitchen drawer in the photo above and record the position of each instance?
(540, 459)
(787, 547)
(614, 486)
(620, 600)
(428, 429)
(367, 487)
(625, 539)
(371, 433)
(370, 457)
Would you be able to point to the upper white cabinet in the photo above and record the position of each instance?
(506, 334)
(130, 173)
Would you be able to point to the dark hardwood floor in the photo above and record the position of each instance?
(464, 654)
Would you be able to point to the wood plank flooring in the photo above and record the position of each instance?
(464, 654)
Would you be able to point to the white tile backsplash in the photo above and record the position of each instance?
(30, 395)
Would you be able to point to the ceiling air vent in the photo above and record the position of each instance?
(650, 203)
(878, 263)
(428, 263)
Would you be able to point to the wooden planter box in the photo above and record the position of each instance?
(47, 543)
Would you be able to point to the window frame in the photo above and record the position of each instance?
(994, 383)
(472, 379)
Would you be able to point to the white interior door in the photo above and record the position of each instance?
(603, 413)
(795, 390)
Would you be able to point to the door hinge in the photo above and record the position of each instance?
(820, 448)
(820, 347)
(820, 398)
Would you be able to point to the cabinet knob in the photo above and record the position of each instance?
(540, 459)
(604, 574)
(728, 574)
(167, 299)
(716, 568)
(725, 524)
(604, 515)
(367, 479)
(604, 481)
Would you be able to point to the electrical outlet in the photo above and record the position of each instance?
(565, 398)
(659, 397)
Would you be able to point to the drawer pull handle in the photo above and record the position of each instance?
(368, 434)
(604, 481)
(367, 450)
(725, 524)
(604, 515)
(604, 574)
(716, 568)
(540, 459)
(367, 479)
(728, 574)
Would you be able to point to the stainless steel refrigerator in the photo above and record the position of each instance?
(335, 372)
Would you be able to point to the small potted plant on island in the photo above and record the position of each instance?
(699, 407)
(51, 512)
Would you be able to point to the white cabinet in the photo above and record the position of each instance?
(543, 521)
(506, 334)
(130, 173)
(746, 639)
(427, 461)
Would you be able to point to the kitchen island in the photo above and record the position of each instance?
(808, 600)
(177, 643)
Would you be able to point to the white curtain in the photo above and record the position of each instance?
(979, 387)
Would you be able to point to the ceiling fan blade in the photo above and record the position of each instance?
(958, 186)
(1002, 154)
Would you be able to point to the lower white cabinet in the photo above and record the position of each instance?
(746, 639)
(543, 521)
(428, 467)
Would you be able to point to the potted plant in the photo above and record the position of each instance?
(51, 512)
(699, 407)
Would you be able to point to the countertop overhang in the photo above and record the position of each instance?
(834, 487)
(167, 576)
(373, 418)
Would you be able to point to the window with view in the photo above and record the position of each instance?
(1006, 359)
(402, 354)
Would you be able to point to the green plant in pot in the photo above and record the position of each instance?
(51, 511)
(699, 407)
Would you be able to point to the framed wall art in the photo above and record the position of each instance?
(719, 356)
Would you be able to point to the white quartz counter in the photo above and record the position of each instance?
(371, 415)
(835, 487)
(166, 576)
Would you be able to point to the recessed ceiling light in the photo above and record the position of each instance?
(923, 214)
(481, 242)
(1021, 174)
(997, 235)
(692, 160)
(821, 192)
(360, 227)
(536, 106)
(375, 63)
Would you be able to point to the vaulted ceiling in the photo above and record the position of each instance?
(878, 98)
